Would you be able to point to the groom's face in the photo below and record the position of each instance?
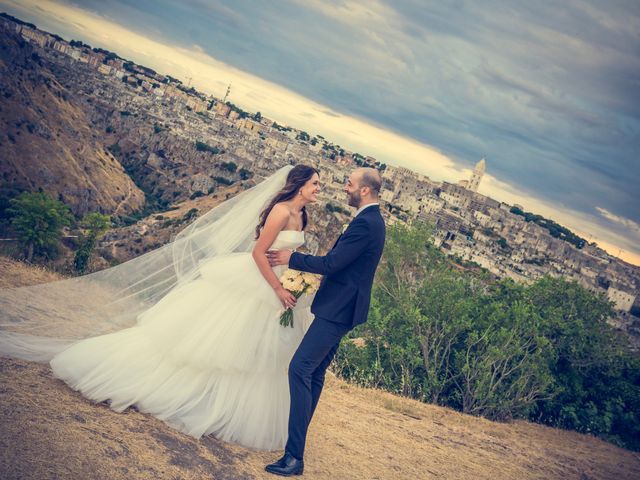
(353, 190)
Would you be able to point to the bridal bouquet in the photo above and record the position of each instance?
(297, 283)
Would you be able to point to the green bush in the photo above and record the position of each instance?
(245, 174)
(190, 214)
(229, 166)
(93, 226)
(224, 181)
(38, 220)
(203, 147)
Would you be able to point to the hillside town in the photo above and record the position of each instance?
(476, 230)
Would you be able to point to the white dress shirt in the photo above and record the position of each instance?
(362, 208)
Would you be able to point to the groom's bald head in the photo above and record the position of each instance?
(363, 186)
(370, 177)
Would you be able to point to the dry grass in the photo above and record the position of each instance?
(50, 431)
(17, 274)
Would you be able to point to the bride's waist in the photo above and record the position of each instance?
(239, 272)
(234, 262)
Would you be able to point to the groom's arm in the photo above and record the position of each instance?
(352, 244)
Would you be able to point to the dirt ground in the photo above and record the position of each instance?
(48, 431)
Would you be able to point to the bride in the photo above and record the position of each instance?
(190, 332)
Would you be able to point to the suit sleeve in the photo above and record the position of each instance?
(352, 244)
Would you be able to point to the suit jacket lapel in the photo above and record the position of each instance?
(336, 242)
(376, 207)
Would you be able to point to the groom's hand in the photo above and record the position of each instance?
(278, 257)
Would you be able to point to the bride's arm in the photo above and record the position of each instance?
(276, 221)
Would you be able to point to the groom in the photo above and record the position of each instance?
(341, 303)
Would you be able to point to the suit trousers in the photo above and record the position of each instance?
(306, 378)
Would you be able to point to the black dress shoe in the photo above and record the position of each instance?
(281, 462)
(287, 466)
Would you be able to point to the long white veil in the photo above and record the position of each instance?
(38, 321)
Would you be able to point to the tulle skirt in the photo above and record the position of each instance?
(209, 358)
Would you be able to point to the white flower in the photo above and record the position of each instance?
(288, 284)
(297, 285)
(344, 227)
(290, 279)
(298, 282)
(313, 281)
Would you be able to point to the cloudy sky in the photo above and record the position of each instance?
(548, 92)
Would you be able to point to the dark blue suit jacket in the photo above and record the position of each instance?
(345, 291)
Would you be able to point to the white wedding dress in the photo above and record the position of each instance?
(209, 358)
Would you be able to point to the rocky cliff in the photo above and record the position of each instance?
(47, 140)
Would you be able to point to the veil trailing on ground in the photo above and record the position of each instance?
(38, 321)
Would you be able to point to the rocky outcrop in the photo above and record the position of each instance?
(47, 141)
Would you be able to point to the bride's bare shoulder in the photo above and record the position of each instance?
(279, 211)
(281, 208)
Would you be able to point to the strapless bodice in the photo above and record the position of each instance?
(239, 272)
(288, 239)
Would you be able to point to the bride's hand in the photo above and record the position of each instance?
(287, 298)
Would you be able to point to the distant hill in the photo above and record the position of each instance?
(47, 141)
(50, 431)
(152, 231)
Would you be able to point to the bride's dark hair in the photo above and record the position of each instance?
(298, 176)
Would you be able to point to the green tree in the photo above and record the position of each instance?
(245, 174)
(38, 220)
(204, 147)
(93, 225)
(229, 166)
(78, 43)
(304, 136)
(419, 311)
(417, 349)
(503, 364)
(502, 243)
(596, 379)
